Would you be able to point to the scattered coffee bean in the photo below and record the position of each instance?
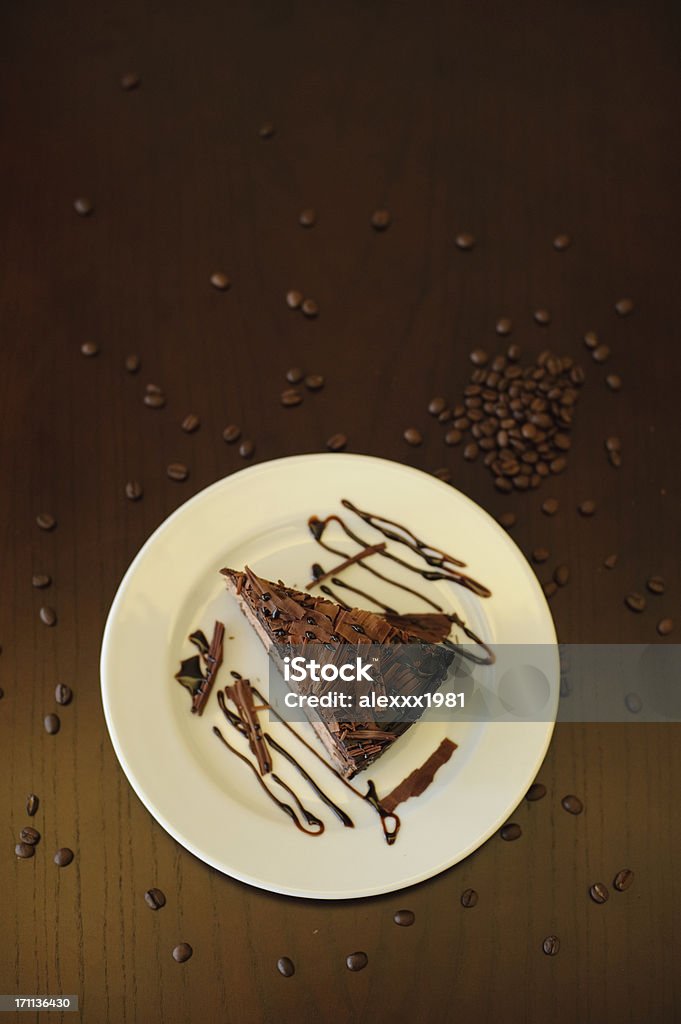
(635, 602)
(52, 724)
(133, 490)
(220, 281)
(290, 397)
(601, 353)
(557, 465)
(508, 520)
(63, 694)
(24, 851)
(655, 585)
(89, 349)
(337, 442)
(537, 791)
(510, 832)
(130, 80)
(154, 899)
(445, 416)
(41, 580)
(294, 375)
(614, 381)
(266, 130)
(294, 300)
(479, 357)
(314, 382)
(453, 436)
(610, 562)
(549, 588)
(380, 220)
(286, 967)
(562, 242)
(513, 352)
(469, 898)
(503, 484)
(357, 961)
(561, 575)
(190, 423)
(132, 363)
(404, 918)
(32, 805)
(413, 436)
(665, 627)
(29, 835)
(83, 206)
(633, 703)
(572, 804)
(46, 521)
(591, 340)
(48, 616)
(504, 326)
(177, 471)
(63, 857)
(613, 444)
(623, 879)
(550, 506)
(443, 474)
(246, 449)
(231, 433)
(307, 218)
(540, 555)
(587, 508)
(154, 400)
(551, 945)
(542, 317)
(599, 893)
(471, 451)
(182, 952)
(436, 406)
(624, 307)
(464, 240)
(310, 308)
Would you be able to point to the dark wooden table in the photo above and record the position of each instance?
(512, 122)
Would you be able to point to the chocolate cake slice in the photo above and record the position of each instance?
(284, 618)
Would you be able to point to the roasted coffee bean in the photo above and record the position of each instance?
(63, 857)
(462, 422)
(561, 575)
(89, 349)
(613, 444)
(246, 449)
(537, 791)
(40, 581)
(295, 375)
(655, 585)
(550, 588)
(154, 899)
(591, 340)
(177, 471)
(52, 724)
(133, 490)
(510, 832)
(504, 326)
(469, 898)
(266, 130)
(46, 521)
(154, 400)
(443, 474)
(508, 520)
(550, 506)
(286, 967)
(445, 416)
(542, 317)
(562, 442)
(337, 442)
(599, 893)
(540, 555)
(63, 694)
(633, 703)
(610, 562)
(32, 805)
(562, 242)
(436, 406)
(190, 423)
(513, 353)
(29, 835)
(464, 240)
(551, 945)
(624, 307)
(356, 961)
(307, 218)
(615, 459)
(614, 381)
(182, 952)
(310, 308)
(130, 80)
(294, 300)
(404, 918)
(635, 602)
(380, 220)
(132, 363)
(291, 397)
(231, 433)
(220, 281)
(479, 357)
(623, 879)
(601, 353)
(557, 465)
(453, 437)
(665, 627)
(471, 451)
(24, 851)
(48, 616)
(314, 381)
(572, 804)
(503, 484)
(587, 507)
(413, 436)
(83, 206)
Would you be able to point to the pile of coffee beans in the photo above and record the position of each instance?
(517, 418)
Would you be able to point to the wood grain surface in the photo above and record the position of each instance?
(511, 121)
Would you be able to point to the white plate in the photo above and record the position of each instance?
(207, 799)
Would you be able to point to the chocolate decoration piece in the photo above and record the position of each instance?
(364, 553)
(419, 780)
